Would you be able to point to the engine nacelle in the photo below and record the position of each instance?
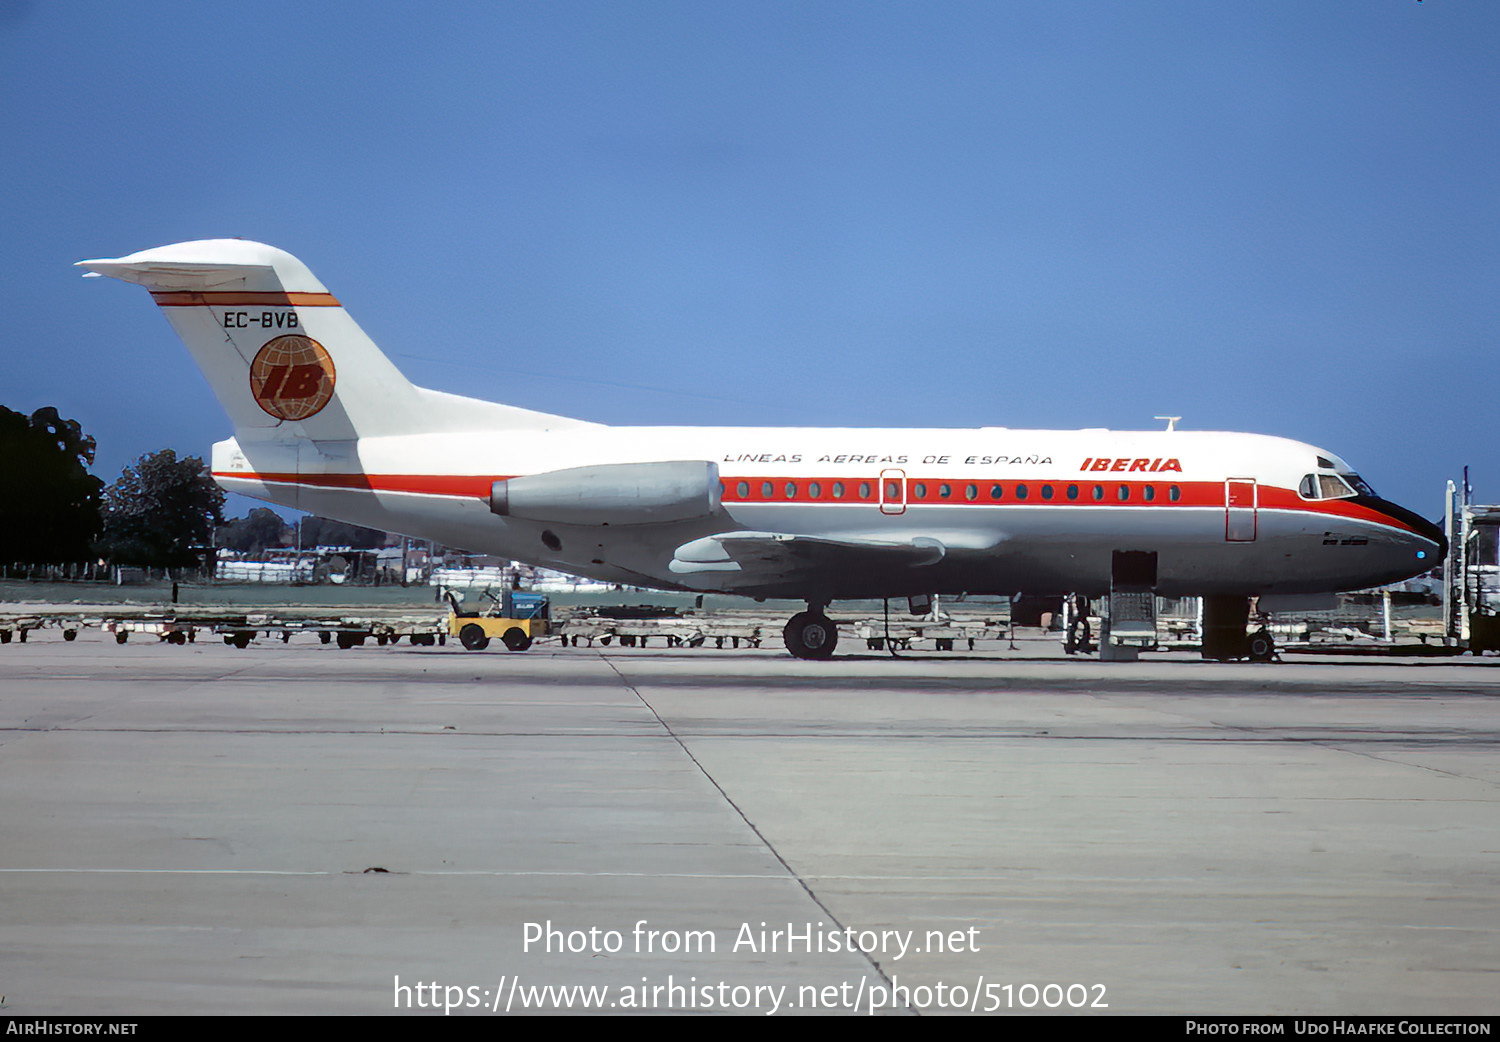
(612, 494)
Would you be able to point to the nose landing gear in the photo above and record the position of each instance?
(1224, 623)
(1260, 646)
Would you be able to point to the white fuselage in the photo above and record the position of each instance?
(1016, 510)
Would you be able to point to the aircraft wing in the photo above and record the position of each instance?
(770, 555)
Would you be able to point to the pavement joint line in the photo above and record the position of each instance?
(792, 872)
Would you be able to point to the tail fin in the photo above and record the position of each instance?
(284, 357)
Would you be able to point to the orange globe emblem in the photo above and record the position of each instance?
(292, 377)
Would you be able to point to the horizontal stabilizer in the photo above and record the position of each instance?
(211, 264)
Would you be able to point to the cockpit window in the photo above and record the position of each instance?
(1360, 485)
(1331, 486)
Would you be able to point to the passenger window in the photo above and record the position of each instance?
(767, 490)
(1123, 492)
(1098, 493)
(744, 489)
(971, 492)
(1174, 493)
(945, 491)
(997, 492)
(1021, 491)
(814, 490)
(1046, 491)
(919, 490)
(838, 490)
(1072, 491)
(1148, 493)
(864, 490)
(791, 490)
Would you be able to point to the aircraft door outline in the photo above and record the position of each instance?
(1241, 510)
(893, 491)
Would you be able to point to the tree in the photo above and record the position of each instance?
(258, 531)
(49, 502)
(162, 511)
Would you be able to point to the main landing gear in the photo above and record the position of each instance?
(811, 634)
(1225, 620)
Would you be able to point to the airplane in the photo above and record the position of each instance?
(324, 422)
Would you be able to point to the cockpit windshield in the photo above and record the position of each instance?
(1333, 486)
(1360, 485)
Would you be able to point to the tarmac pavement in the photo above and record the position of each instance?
(292, 828)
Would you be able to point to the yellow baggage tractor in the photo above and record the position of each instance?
(522, 618)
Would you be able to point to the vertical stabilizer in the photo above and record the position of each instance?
(282, 354)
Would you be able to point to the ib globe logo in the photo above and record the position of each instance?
(292, 377)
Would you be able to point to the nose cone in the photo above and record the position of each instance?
(1429, 544)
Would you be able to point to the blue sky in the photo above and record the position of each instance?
(1278, 217)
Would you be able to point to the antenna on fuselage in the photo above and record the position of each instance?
(1171, 421)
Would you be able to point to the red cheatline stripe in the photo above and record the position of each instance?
(240, 298)
(476, 486)
(1193, 493)
(986, 492)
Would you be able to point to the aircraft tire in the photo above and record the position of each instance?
(811, 634)
(472, 638)
(516, 639)
(1260, 646)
